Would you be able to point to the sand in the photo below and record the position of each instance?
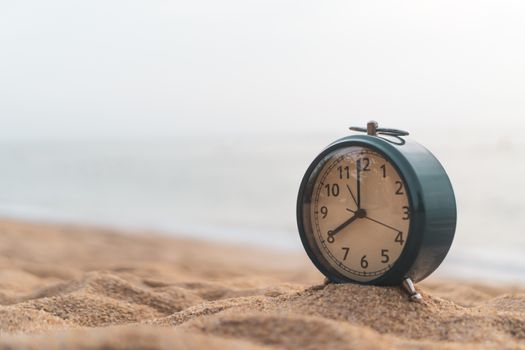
(79, 287)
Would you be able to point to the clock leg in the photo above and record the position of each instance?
(408, 286)
(326, 281)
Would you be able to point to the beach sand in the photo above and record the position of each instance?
(79, 287)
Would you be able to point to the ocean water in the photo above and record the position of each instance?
(243, 188)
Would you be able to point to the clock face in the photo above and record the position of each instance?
(359, 213)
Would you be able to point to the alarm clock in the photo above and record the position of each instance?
(376, 209)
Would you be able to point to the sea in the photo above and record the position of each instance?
(241, 188)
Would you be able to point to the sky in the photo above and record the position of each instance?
(145, 68)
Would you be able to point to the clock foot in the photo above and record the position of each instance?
(408, 286)
(326, 281)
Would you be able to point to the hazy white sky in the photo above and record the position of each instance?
(99, 68)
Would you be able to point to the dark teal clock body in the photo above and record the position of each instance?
(396, 221)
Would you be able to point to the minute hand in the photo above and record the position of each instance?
(342, 226)
(358, 177)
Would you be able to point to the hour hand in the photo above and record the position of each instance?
(338, 229)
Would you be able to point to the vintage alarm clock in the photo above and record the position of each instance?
(376, 209)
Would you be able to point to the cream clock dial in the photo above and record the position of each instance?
(361, 213)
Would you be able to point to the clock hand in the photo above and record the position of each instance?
(380, 223)
(358, 177)
(374, 220)
(360, 213)
(352, 194)
(342, 226)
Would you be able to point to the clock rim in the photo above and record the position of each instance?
(406, 264)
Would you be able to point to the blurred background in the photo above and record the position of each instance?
(200, 118)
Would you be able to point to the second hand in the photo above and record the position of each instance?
(374, 220)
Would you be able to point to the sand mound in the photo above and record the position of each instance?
(155, 292)
(19, 319)
(383, 310)
(125, 338)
